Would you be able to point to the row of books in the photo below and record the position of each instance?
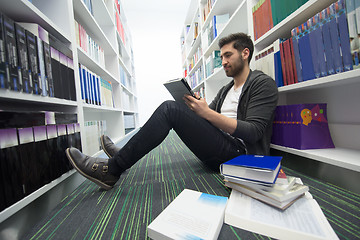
(125, 79)
(353, 18)
(200, 92)
(94, 89)
(262, 178)
(120, 27)
(212, 63)
(94, 129)
(317, 48)
(32, 151)
(29, 64)
(216, 25)
(196, 77)
(89, 45)
(195, 58)
(268, 13)
(208, 4)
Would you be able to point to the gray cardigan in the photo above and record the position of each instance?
(255, 112)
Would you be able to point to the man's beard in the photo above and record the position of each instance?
(239, 67)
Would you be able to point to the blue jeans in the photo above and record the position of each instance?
(207, 142)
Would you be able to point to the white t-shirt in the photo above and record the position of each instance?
(231, 102)
(230, 105)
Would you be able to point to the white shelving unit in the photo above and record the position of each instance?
(57, 17)
(339, 91)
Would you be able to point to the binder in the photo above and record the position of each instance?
(313, 47)
(65, 86)
(48, 70)
(11, 57)
(3, 76)
(335, 42)
(305, 54)
(344, 35)
(319, 45)
(55, 71)
(325, 30)
(42, 153)
(11, 178)
(31, 43)
(71, 76)
(23, 69)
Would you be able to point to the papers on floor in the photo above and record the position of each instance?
(191, 215)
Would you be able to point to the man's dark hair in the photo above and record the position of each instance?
(240, 42)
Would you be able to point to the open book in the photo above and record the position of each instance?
(178, 88)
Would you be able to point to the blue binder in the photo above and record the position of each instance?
(305, 54)
(335, 40)
(325, 29)
(344, 35)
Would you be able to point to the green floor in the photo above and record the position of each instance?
(149, 186)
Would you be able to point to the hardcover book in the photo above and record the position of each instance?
(191, 215)
(257, 168)
(23, 69)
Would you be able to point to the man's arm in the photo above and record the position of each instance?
(201, 108)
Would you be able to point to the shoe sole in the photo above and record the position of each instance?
(98, 182)
(103, 146)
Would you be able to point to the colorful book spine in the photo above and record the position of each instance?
(335, 42)
(325, 30)
(305, 53)
(344, 35)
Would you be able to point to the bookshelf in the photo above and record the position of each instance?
(58, 19)
(339, 91)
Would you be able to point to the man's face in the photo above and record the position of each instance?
(232, 60)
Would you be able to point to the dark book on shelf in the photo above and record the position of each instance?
(31, 43)
(15, 119)
(11, 54)
(11, 171)
(64, 118)
(257, 168)
(43, 157)
(22, 59)
(178, 88)
(29, 160)
(64, 76)
(72, 89)
(3, 76)
(48, 70)
(55, 69)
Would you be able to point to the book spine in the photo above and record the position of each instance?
(305, 54)
(325, 29)
(344, 35)
(23, 65)
(295, 44)
(335, 43)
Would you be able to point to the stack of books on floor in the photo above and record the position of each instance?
(262, 178)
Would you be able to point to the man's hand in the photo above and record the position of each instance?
(199, 106)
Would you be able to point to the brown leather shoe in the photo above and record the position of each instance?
(108, 146)
(94, 169)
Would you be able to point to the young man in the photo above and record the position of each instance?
(238, 121)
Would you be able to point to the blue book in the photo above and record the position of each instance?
(295, 43)
(255, 168)
(325, 30)
(277, 64)
(344, 35)
(313, 46)
(98, 89)
(319, 45)
(86, 92)
(307, 69)
(335, 40)
(81, 83)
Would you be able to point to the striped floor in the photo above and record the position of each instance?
(149, 186)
